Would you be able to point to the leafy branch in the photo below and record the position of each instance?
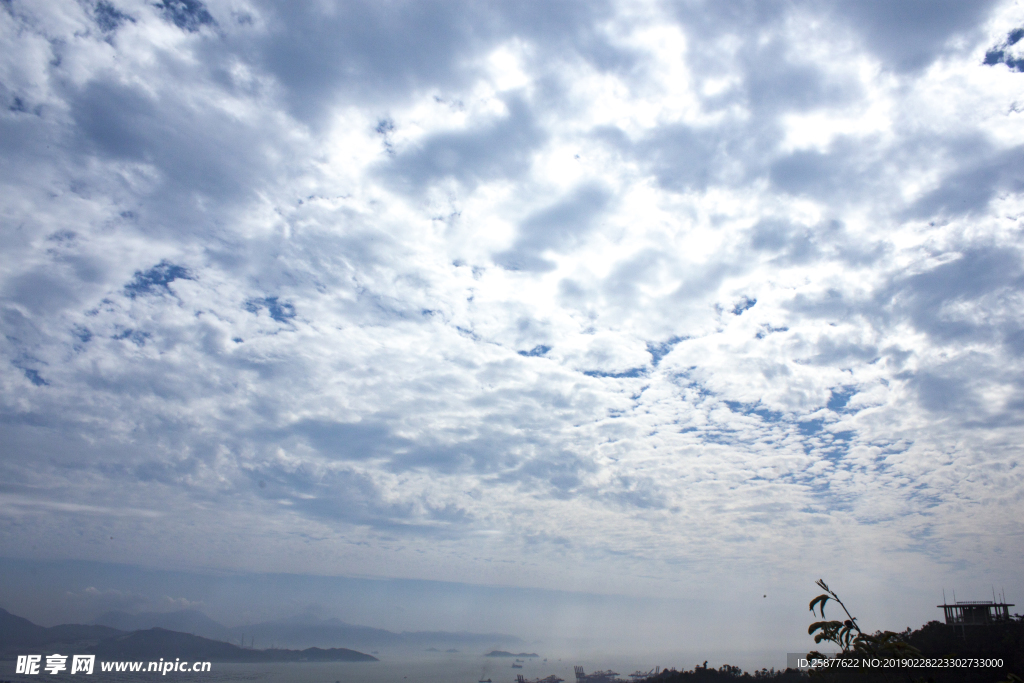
(847, 634)
(844, 633)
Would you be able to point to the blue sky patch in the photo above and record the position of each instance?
(188, 15)
(744, 304)
(156, 279)
(839, 397)
(281, 311)
(625, 374)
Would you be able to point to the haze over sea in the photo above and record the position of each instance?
(413, 668)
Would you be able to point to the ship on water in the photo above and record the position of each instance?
(549, 679)
(608, 676)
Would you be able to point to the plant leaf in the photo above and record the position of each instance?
(820, 599)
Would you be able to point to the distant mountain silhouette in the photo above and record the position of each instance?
(502, 653)
(296, 632)
(186, 621)
(155, 643)
(19, 636)
(17, 633)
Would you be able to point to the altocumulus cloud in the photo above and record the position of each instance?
(596, 295)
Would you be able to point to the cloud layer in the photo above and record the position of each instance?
(619, 296)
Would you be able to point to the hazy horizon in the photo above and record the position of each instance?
(614, 323)
(592, 628)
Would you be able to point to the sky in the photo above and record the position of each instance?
(608, 302)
